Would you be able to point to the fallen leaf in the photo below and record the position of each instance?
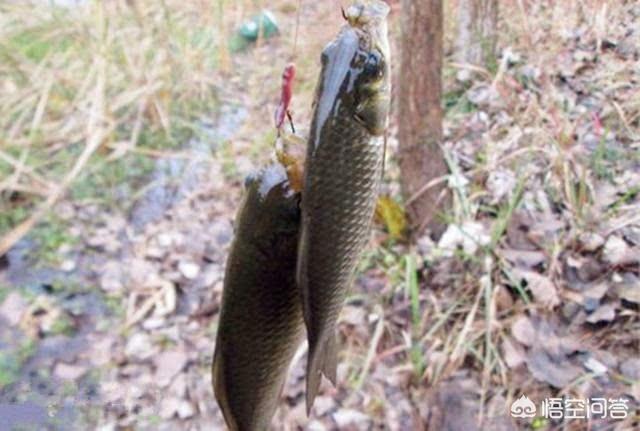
(504, 301)
(189, 270)
(514, 354)
(558, 372)
(604, 313)
(630, 290)
(139, 346)
(101, 350)
(591, 242)
(392, 216)
(631, 368)
(185, 409)
(12, 308)
(452, 407)
(635, 390)
(111, 277)
(523, 331)
(323, 404)
(169, 407)
(524, 258)
(596, 292)
(316, 425)
(347, 417)
(68, 371)
(500, 184)
(469, 236)
(168, 364)
(595, 366)
(352, 315)
(617, 252)
(543, 289)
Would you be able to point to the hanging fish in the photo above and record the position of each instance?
(261, 323)
(342, 171)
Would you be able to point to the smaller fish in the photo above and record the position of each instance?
(261, 323)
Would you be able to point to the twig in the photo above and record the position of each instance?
(166, 289)
(624, 120)
(373, 346)
(472, 67)
(457, 350)
(624, 223)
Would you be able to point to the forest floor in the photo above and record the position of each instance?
(109, 305)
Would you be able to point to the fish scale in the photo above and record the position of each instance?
(339, 207)
(261, 322)
(342, 174)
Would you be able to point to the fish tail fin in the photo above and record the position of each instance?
(330, 364)
(323, 359)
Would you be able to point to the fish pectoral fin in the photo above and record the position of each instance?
(322, 360)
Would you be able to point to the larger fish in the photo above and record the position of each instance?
(261, 322)
(343, 169)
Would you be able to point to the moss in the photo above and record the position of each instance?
(455, 101)
(107, 182)
(63, 326)
(12, 217)
(4, 292)
(9, 369)
(12, 361)
(35, 43)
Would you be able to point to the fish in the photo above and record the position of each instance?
(261, 324)
(342, 174)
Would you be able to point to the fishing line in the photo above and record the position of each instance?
(295, 37)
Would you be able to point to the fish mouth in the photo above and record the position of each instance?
(366, 31)
(363, 11)
(371, 17)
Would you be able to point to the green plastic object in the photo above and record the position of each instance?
(264, 23)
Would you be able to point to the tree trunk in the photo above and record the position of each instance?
(420, 113)
(477, 33)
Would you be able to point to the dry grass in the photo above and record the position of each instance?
(105, 78)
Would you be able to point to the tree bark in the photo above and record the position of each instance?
(477, 33)
(420, 113)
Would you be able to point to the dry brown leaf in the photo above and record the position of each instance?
(543, 289)
(617, 252)
(604, 313)
(524, 258)
(13, 308)
(523, 331)
(557, 371)
(630, 293)
(69, 371)
(514, 354)
(168, 364)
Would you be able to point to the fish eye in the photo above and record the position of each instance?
(249, 180)
(324, 57)
(374, 65)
